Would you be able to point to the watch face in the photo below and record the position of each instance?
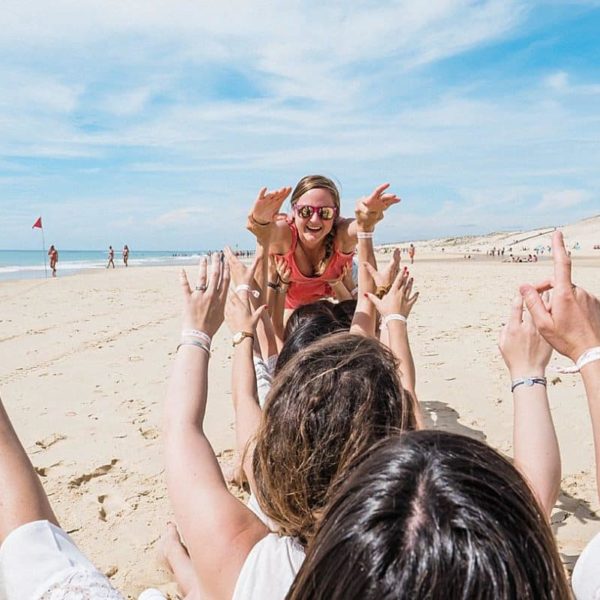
(238, 337)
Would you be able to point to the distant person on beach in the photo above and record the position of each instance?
(125, 254)
(411, 253)
(53, 254)
(315, 240)
(111, 257)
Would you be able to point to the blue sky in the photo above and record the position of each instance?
(155, 123)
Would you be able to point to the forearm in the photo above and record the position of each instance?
(397, 341)
(187, 390)
(245, 403)
(590, 374)
(364, 322)
(536, 452)
(22, 497)
(278, 313)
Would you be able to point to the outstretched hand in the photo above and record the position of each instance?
(240, 273)
(239, 316)
(571, 322)
(399, 300)
(268, 204)
(385, 278)
(369, 209)
(203, 307)
(525, 352)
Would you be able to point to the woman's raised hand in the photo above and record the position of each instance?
(369, 209)
(571, 323)
(284, 271)
(525, 352)
(240, 273)
(399, 299)
(383, 280)
(239, 316)
(203, 306)
(267, 205)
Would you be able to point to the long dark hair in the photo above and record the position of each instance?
(433, 515)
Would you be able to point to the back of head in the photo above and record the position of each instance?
(307, 311)
(433, 515)
(329, 404)
(306, 331)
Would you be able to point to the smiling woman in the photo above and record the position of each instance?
(315, 241)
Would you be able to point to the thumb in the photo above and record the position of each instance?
(374, 300)
(257, 314)
(536, 307)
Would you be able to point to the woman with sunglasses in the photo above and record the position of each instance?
(315, 240)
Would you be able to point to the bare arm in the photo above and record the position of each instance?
(243, 385)
(571, 325)
(193, 475)
(264, 222)
(536, 451)
(369, 210)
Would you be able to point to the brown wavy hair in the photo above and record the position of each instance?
(311, 182)
(328, 406)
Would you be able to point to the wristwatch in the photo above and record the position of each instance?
(239, 337)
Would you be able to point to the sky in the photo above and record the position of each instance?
(156, 123)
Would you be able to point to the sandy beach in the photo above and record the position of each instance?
(86, 358)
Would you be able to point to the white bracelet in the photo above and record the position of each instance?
(244, 287)
(196, 343)
(364, 235)
(354, 292)
(393, 317)
(196, 333)
(590, 355)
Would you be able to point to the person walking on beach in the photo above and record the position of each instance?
(53, 254)
(411, 253)
(111, 257)
(125, 254)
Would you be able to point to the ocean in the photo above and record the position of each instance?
(29, 264)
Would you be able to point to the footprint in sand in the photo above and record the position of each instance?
(98, 472)
(50, 440)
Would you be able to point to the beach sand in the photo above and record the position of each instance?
(85, 363)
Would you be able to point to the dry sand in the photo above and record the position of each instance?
(85, 361)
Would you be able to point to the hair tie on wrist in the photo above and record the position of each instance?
(393, 317)
(364, 235)
(590, 355)
(244, 287)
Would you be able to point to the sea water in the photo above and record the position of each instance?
(33, 264)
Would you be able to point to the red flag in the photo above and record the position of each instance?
(37, 224)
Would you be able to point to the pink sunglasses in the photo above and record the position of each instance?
(306, 211)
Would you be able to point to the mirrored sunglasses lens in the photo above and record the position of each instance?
(305, 212)
(326, 213)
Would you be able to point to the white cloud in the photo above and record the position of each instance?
(563, 199)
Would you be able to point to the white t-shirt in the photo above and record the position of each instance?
(270, 569)
(586, 575)
(39, 561)
(264, 376)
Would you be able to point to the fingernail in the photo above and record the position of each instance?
(366, 295)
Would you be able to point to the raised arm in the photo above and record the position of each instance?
(394, 308)
(265, 222)
(571, 325)
(368, 212)
(219, 530)
(536, 452)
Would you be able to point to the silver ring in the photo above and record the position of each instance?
(200, 288)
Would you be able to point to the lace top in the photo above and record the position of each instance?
(80, 584)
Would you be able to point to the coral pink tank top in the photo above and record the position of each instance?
(303, 289)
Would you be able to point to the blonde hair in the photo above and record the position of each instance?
(311, 182)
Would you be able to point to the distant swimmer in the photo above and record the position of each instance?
(125, 254)
(111, 257)
(53, 254)
(411, 253)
